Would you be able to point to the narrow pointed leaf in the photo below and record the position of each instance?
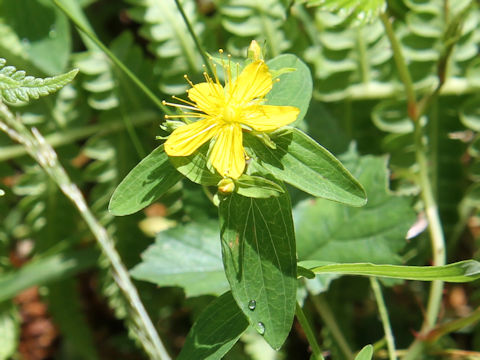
(216, 330)
(149, 180)
(46, 270)
(301, 162)
(258, 248)
(365, 354)
(463, 271)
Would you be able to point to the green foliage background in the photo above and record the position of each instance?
(101, 126)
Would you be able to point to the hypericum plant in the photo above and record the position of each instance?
(240, 146)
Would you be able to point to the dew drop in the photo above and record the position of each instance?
(261, 328)
(252, 304)
(53, 32)
(26, 42)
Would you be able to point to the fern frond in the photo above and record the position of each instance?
(169, 40)
(364, 11)
(261, 20)
(16, 86)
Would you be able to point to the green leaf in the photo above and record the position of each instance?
(257, 187)
(294, 88)
(329, 231)
(463, 271)
(46, 270)
(365, 10)
(149, 180)
(301, 162)
(9, 331)
(258, 248)
(187, 256)
(365, 354)
(215, 331)
(196, 167)
(44, 32)
(15, 86)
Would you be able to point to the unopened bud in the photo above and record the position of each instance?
(255, 51)
(226, 186)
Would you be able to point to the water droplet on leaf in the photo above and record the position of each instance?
(26, 42)
(53, 32)
(252, 304)
(261, 328)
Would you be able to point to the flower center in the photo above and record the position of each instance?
(230, 113)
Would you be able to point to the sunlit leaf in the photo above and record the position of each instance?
(463, 271)
(258, 247)
(149, 180)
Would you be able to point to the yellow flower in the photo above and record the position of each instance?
(226, 111)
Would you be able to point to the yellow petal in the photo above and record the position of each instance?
(227, 155)
(186, 139)
(269, 117)
(208, 96)
(255, 81)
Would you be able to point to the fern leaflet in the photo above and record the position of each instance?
(16, 86)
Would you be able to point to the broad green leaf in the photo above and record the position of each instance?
(215, 331)
(301, 162)
(294, 88)
(188, 256)
(196, 167)
(44, 31)
(365, 10)
(9, 330)
(46, 270)
(15, 86)
(375, 233)
(257, 187)
(258, 248)
(149, 180)
(463, 271)
(365, 354)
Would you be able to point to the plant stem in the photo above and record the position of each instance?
(437, 240)
(194, 36)
(401, 64)
(382, 309)
(112, 57)
(415, 111)
(454, 325)
(317, 353)
(36, 145)
(322, 307)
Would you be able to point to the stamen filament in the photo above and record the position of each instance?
(180, 106)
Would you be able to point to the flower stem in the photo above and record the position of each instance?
(37, 147)
(112, 57)
(382, 309)
(326, 314)
(317, 353)
(194, 36)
